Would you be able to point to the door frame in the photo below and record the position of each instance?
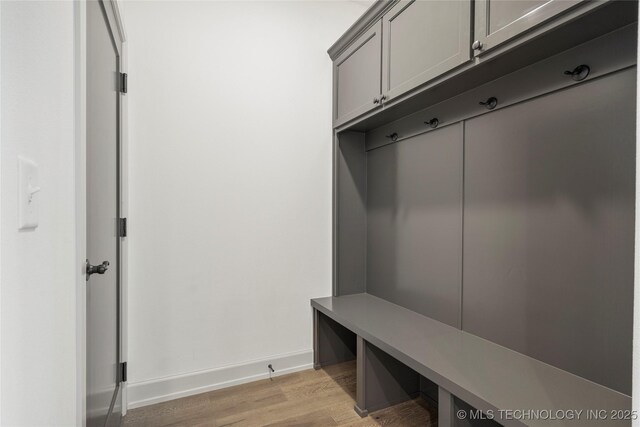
(80, 69)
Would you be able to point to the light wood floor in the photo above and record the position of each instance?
(320, 398)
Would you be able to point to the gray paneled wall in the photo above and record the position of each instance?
(549, 228)
(414, 223)
(516, 225)
(351, 213)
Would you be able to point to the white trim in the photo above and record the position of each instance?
(163, 389)
(124, 212)
(80, 161)
(117, 29)
(116, 12)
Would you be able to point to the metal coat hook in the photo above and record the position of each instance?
(579, 73)
(393, 137)
(433, 123)
(490, 103)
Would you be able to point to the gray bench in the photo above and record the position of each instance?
(401, 354)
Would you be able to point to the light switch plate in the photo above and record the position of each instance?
(28, 188)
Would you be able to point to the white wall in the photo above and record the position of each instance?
(38, 316)
(230, 187)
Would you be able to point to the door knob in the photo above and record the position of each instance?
(477, 45)
(376, 100)
(97, 269)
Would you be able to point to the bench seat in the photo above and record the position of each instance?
(483, 374)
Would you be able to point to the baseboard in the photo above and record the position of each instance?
(163, 389)
(361, 412)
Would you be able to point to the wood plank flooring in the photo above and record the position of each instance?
(310, 398)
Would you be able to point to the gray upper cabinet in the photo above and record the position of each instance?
(421, 41)
(356, 76)
(497, 21)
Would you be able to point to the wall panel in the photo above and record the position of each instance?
(351, 212)
(414, 223)
(549, 226)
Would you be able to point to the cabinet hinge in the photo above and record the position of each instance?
(123, 372)
(123, 82)
(122, 227)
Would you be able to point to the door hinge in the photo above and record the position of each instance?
(122, 227)
(123, 82)
(123, 372)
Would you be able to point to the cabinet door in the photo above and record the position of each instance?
(500, 20)
(356, 77)
(422, 40)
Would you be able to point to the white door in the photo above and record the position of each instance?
(102, 333)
